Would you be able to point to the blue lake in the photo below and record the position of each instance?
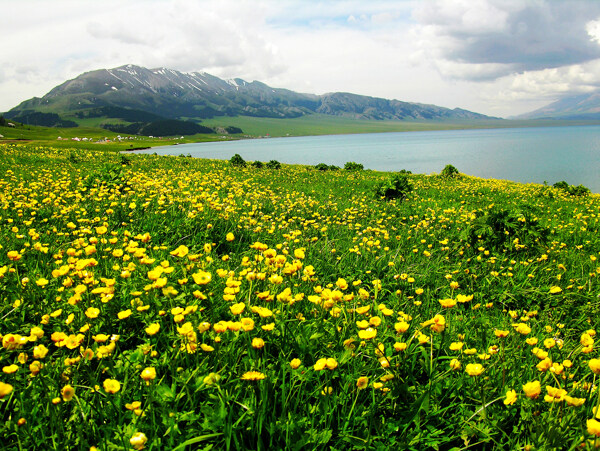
(527, 155)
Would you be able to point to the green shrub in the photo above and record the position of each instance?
(505, 231)
(450, 172)
(352, 166)
(273, 164)
(257, 164)
(237, 161)
(572, 190)
(396, 187)
(325, 167)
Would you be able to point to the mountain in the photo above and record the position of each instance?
(582, 106)
(132, 94)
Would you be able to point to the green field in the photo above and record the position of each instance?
(252, 127)
(160, 303)
(319, 124)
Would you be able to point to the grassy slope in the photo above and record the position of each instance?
(319, 124)
(410, 255)
(316, 124)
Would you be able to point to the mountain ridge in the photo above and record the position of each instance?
(172, 94)
(580, 106)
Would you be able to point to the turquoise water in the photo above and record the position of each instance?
(527, 155)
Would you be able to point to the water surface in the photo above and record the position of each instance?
(527, 155)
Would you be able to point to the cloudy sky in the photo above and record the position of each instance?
(497, 57)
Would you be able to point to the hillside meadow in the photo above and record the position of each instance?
(175, 303)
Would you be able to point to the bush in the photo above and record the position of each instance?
(325, 167)
(505, 231)
(352, 166)
(237, 161)
(450, 172)
(396, 187)
(257, 164)
(273, 164)
(572, 190)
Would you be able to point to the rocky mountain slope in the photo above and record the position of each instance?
(134, 91)
(582, 106)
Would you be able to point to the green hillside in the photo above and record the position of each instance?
(171, 303)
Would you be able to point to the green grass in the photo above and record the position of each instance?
(315, 124)
(48, 136)
(319, 124)
(177, 303)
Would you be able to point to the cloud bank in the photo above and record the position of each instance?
(491, 56)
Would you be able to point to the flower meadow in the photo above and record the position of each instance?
(174, 303)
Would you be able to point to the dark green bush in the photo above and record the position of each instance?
(273, 164)
(325, 167)
(396, 187)
(505, 231)
(450, 172)
(352, 166)
(573, 190)
(237, 161)
(257, 164)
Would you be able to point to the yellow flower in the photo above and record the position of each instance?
(501, 333)
(594, 365)
(230, 237)
(574, 402)
(152, 329)
(367, 334)
(138, 440)
(474, 369)
(202, 278)
(593, 427)
(532, 389)
(447, 303)
(92, 312)
(555, 290)
(400, 346)
(10, 369)
(362, 382)
(40, 351)
(455, 364)
(5, 389)
(586, 340)
(124, 314)
(181, 251)
(67, 393)
(111, 385)
(522, 328)
(320, 364)
(295, 363)
(253, 376)
(148, 374)
(456, 346)
(511, 397)
(13, 255)
(238, 308)
(257, 343)
(331, 364)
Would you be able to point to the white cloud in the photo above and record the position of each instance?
(491, 56)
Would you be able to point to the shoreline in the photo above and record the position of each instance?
(540, 124)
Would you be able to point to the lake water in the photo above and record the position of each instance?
(527, 155)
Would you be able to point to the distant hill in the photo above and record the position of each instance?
(578, 107)
(134, 94)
